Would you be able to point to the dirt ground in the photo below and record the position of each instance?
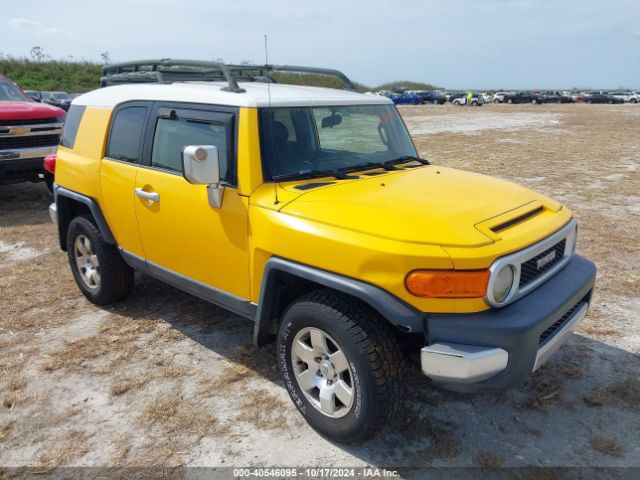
(166, 379)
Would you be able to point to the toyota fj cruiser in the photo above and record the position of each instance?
(308, 211)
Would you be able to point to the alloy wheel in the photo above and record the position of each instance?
(322, 372)
(87, 262)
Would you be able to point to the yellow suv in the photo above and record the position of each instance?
(308, 211)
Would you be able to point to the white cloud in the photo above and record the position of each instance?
(33, 26)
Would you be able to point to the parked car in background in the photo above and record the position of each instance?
(556, 97)
(405, 99)
(523, 97)
(602, 97)
(34, 94)
(58, 99)
(427, 96)
(477, 100)
(498, 97)
(631, 97)
(577, 96)
(29, 131)
(487, 97)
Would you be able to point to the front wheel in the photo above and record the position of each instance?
(341, 364)
(633, 100)
(99, 270)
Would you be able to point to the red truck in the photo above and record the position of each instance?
(29, 131)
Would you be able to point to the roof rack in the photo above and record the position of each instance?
(169, 70)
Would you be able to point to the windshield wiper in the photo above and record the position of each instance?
(368, 166)
(306, 174)
(407, 158)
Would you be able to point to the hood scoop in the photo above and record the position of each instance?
(516, 220)
(309, 186)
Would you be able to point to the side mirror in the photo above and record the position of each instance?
(201, 166)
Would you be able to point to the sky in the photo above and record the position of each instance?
(490, 44)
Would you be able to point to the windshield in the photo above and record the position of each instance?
(60, 95)
(9, 92)
(330, 139)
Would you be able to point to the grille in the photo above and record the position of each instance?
(549, 332)
(13, 123)
(28, 141)
(309, 186)
(529, 269)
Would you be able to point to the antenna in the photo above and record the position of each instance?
(273, 152)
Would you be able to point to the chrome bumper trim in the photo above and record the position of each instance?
(452, 362)
(53, 213)
(560, 337)
(26, 153)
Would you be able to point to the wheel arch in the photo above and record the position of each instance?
(284, 280)
(71, 204)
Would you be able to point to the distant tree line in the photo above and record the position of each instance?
(42, 72)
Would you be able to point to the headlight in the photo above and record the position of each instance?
(502, 283)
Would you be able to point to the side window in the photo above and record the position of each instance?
(173, 134)
(126, 134)
(71, 125)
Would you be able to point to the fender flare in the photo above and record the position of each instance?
(61, 193)
(396, 311)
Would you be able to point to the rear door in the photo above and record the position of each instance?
(182, 235)
(119, 167)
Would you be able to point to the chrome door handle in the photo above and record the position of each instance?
(151, 196)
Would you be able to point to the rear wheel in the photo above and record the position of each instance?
(509, 101)
(633, 100)
(341, 364)
(99, 270)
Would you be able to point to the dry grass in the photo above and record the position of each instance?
(608, 446)
(121, 384)
(625, 392)
(264, 410)
(13, 399)
(231, 374)
(488, 461)
(6, 428)
(69, 447)
(175, 414)
(544, 390)
(17, 382)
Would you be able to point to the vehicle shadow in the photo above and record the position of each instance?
(24, 204)
(580, 409)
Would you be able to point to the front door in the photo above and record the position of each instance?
(182, 235)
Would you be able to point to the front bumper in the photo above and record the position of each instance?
(499, 348)
(23, 164)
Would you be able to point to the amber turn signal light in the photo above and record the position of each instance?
(448, 283)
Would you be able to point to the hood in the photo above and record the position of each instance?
(28, 111)
(427, 205)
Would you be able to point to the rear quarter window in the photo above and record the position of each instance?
(126, 134)
(71, 125)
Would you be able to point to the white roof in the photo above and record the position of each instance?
(256, 95)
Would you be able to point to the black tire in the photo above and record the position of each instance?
(633, 100)
(116, 277)
(373, 353)
(509, 101)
